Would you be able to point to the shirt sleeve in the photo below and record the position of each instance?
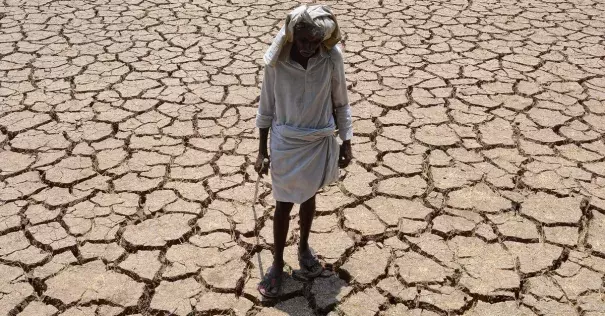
(266, 107)
(340, 100)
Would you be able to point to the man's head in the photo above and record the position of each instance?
(306, 27)
(307, 37)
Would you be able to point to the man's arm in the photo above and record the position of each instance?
(262, 144)
(261, 166)
(342, 110)
(264, 119)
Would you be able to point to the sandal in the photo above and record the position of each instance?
(270, 285)
(309, 264)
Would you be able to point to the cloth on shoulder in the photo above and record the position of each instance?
(319, 15)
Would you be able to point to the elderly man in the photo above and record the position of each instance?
(303, 101)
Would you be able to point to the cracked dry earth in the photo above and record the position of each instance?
(127, 134)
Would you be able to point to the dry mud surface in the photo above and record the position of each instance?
(127, 134)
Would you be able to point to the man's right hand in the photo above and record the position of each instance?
(259, 166)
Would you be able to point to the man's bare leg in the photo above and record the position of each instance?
(281, 224)
(306, 214)
(271, 283)
(309, 263)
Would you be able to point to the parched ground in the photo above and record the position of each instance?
(127, 134)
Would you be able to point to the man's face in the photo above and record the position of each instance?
(307, 42)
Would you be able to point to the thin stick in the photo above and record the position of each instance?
(260, 264)
(239, 287)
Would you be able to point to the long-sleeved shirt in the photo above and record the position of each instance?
(297, 97)
(297, 104)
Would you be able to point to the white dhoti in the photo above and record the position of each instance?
(302, 161)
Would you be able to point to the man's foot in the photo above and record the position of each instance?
(309, 263)
(270, 285)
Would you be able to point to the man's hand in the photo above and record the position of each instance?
(346, 154)
(259, 166)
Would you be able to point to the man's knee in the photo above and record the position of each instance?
(283, 207)
(308, 203)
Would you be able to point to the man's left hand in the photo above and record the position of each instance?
(346, 154)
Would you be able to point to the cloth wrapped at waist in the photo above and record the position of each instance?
(297, 136)
(303, 160)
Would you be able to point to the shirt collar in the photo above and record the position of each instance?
(323, 51)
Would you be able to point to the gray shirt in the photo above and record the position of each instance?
(297, 104)
(297, 97)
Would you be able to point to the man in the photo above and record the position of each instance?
(303, 100)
